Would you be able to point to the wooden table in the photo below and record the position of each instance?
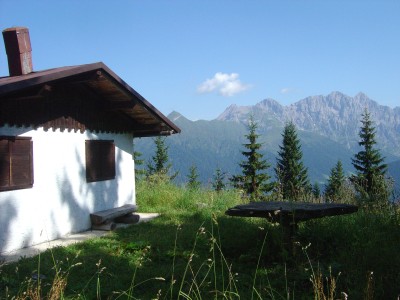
(289, 214)
(292, 211)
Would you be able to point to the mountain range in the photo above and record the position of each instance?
(327, 127)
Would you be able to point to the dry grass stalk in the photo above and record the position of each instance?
(369, 289)
(319, 286)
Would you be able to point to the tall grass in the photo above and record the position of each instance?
(194, 251)
(357, 245)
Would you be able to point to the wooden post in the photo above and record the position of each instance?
(105, 226)
(289, 228)
(128, 219)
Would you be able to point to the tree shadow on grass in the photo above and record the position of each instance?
(216, 253)
(231, 245)
(181, 249)
(356, 245)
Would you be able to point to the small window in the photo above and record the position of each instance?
(16, 163)
(100, 160)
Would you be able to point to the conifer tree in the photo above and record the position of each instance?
(159, 163)
(336, 181)
(219, 180)
(254, 180)
(139, 172)
(193, 176)
(291, 174)
(316, 190)
(369, 164)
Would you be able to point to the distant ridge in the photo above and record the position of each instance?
(336, 116)
(328, 129)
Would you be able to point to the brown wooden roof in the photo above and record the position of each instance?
(85, 97)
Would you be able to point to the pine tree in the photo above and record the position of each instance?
(139, 172)
(369, 164)
(291, 174)
(254, 178)
(159, 163)
(316, 190)
(219, 180)
(193, 182)
(336, 181)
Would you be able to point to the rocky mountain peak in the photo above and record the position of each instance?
(269, 105)
(235, 113)
(335, 115)
(173, 116)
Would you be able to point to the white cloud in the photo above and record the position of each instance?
(286, 90)
(225, 84)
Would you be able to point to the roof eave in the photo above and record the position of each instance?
(10, 85)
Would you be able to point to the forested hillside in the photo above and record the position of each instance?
(209, 145)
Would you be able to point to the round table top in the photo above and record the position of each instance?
(277, 211)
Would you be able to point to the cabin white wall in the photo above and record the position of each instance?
(61, 200)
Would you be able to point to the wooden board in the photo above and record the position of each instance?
(105, 226)
(278, 211)
(128, 219)
(103, 216)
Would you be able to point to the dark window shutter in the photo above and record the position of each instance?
(4, 164)
(21, 163)
(100, 160)
(16, 163)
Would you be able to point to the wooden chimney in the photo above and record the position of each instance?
(19, 51)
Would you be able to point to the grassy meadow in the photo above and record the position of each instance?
(194, 251)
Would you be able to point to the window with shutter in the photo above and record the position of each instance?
(16, 163)
(100, 160)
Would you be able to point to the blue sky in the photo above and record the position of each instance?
(198, 57)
